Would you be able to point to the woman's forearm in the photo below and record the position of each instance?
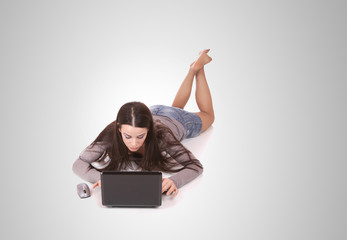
(82, 169)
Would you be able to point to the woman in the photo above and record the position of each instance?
(149, 139)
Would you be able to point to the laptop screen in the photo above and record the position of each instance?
(128, 188)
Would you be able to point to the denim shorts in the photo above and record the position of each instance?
(191, 122)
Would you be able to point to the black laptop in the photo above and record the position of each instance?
(131, 189)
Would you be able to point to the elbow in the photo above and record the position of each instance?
(76, 167)
(79, 167)
(82, 169)
(199, 168)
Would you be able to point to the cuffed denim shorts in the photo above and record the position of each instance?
(191, 122)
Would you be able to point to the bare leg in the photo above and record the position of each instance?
(184, 91)
(202, 95)
(204, 100)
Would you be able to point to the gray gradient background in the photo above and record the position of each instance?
(275, 160)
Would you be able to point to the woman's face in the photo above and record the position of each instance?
(133, 137)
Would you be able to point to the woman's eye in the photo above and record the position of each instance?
(141, 136)
(127, 136)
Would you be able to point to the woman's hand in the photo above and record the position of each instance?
(97, 184)
(169, 186)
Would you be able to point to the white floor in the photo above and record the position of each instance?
(274, 161)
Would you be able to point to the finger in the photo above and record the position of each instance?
(165, 185)
(165, 188)
(165, 180)
(171, 189)
(97, 184)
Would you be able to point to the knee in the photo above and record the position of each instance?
(207, 120)
(212, 118)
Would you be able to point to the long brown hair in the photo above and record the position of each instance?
(137, 114)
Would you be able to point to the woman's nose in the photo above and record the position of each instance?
(134, 143)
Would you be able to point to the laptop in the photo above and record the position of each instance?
(131, 189)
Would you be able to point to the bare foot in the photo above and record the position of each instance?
(204, 51)
(201, 52)
(201, 61)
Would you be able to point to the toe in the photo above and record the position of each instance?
(204, 51)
